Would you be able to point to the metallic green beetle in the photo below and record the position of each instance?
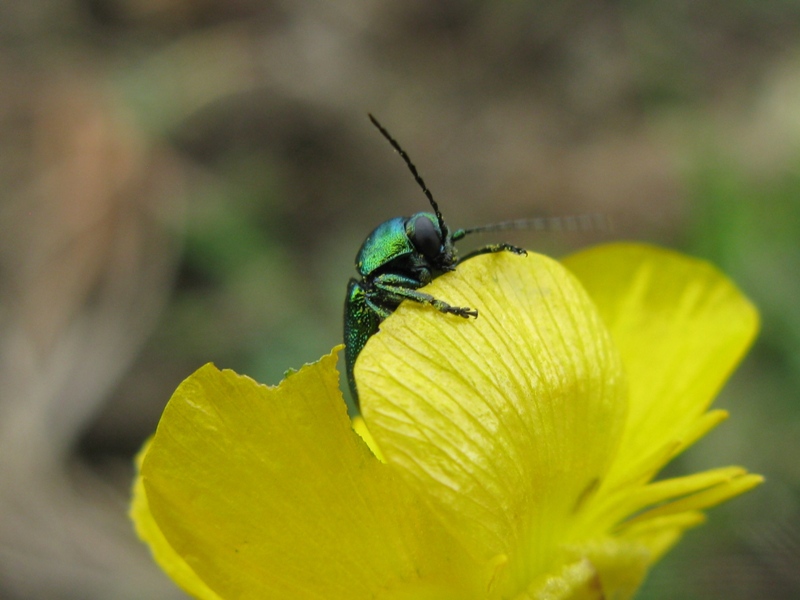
(400, 256)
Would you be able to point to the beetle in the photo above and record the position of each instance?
(400, 256)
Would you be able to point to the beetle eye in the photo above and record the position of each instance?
(426, 238)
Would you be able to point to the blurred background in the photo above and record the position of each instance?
(186, 181)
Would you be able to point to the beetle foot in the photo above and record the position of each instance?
(463, 311)
(514, 249)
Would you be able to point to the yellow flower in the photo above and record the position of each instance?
(510, 457)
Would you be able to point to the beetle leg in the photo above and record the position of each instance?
(381, 311)
(392, 289)
(491, 248)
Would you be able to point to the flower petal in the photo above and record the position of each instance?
(267, 492)
(680, 494)
(360, 427)
(737, 483)
(659, 534)
(164, 554)
(681, 327)
(506, 422)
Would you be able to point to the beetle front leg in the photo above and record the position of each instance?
(396, 288)
(379, 310)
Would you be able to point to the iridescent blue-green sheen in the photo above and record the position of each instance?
(387, 255)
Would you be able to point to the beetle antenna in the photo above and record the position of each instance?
(583, 222)
(414, 172)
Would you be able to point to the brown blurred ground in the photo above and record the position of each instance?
(188, 181)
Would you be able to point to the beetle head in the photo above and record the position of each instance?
(425, 234)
